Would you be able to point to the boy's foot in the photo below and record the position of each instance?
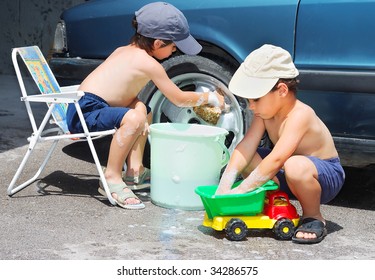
(310, 231)
(139, 182)
(123, 195)
(143, 180)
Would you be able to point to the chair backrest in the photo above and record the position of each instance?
(44, 80)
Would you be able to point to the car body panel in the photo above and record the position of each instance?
(335, 43)
(335, 35)
(111, 20)
(220, 27)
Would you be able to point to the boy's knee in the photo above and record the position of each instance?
(135, 119)
(298, 168)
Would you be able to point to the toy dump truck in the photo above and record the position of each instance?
(264, 208)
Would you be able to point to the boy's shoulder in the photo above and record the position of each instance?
(303, 108)
(301, 113)
(133, 53)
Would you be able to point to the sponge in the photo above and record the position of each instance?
(208, 113)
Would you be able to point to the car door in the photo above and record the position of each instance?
(335, 52)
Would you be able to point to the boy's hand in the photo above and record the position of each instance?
(221, 191)
(216, 99)
(226, 107)
(227, 180)
(221, 100)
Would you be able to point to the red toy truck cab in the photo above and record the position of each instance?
(278, 207)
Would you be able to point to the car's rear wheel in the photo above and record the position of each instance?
(194, 73)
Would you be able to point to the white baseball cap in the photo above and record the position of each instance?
(261, 70)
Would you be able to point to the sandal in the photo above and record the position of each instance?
(122, 195)
(143, 181)
(310, 225)
(139, 182)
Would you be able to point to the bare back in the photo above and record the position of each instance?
(119, 79)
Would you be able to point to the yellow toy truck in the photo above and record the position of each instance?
(263, 208)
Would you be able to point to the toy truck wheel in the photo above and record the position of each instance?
(236, 230)
(284, 229)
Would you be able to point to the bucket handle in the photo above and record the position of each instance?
(226, 156)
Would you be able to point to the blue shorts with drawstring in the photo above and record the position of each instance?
(98, 114)
(331, 176)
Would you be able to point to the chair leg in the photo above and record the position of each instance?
(12, 189)
(100, 171)
(94, 154)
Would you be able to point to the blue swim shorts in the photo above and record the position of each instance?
(98, 114)
(331, 176)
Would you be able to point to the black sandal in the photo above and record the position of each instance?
(310, 225)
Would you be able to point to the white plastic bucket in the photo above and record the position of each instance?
(184, 156)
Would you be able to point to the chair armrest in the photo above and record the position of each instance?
(66, 97)
(69, 88)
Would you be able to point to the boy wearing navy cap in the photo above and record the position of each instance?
(111, 91)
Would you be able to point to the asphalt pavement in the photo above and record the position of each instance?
(61, 216)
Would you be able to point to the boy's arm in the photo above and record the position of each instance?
(242, 155)
(182, 98)
(291, 135)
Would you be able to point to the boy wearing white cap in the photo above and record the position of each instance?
(303, 161)
(111, 91)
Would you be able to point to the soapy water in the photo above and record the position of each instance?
(227, 107)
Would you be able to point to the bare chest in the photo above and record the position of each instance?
(274, 129)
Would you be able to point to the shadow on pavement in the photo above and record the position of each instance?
(358, 190)
(81, 150)
(76, 184)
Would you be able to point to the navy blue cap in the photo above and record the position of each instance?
(160, 20)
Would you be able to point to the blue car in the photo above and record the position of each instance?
(332, 43)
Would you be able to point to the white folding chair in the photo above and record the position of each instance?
(57, 99)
